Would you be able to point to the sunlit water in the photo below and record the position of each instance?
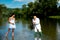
(50, 30)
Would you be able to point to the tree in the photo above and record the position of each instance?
(24, 10)
(48, 7)
(3, 10)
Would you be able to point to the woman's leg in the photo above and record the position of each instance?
(12, 32)
(12, 37)
(8, 32)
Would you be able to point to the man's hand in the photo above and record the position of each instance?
(34, 22)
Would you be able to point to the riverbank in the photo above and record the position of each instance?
(55, 17)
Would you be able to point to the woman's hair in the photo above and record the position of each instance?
(11, 14)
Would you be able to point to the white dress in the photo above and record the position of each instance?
(37, 25)
(12, 26)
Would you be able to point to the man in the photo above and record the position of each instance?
(36, 24)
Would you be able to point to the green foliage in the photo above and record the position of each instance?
(44, 7)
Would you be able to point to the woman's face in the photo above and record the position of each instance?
(13, 15)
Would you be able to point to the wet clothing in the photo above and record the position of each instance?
(13, 26)
(37, 26)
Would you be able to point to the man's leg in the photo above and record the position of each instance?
(39, 29)
(35, 29)
(40, 32)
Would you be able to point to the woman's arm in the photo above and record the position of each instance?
(10, 20)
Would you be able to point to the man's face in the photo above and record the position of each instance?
(34, 17)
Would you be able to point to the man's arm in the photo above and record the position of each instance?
(37, 21)
(33, 21)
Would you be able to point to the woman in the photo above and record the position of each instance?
(12, 26)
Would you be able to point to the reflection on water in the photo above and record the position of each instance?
(50, 30)
(58, 29)
(8, 38)
(13, 38)
(37, 38)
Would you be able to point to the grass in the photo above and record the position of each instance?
(55, 17)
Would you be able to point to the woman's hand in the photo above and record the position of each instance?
(12, 23)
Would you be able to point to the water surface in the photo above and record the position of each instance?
(23, 31)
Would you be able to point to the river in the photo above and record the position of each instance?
(23, 31)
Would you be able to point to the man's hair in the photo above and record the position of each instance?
(35, 15)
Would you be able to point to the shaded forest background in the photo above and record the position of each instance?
(41, 8)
